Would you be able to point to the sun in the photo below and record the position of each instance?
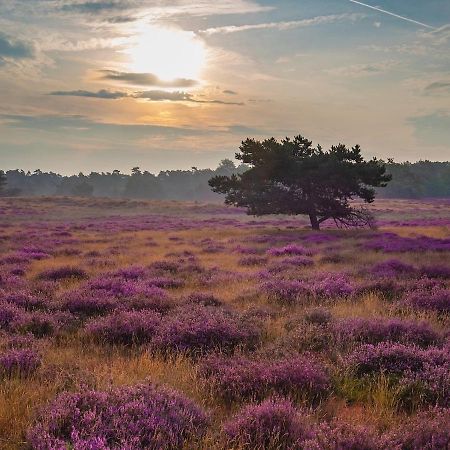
(166, 52)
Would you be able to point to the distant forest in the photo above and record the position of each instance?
(423, 179)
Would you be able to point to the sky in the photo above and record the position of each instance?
(171, 84)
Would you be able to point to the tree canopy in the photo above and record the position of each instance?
(294, 177)
(2, 181)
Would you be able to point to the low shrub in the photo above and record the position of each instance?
(20, 362)
(429, 430)
(291, 249)
(136, 417)
(124, 327)
(252, 261)
(343, 436)
(199, 298)
(376, 330)
(436, 271)
(200, 329)
(87, 304)
(239, 377)
(272, 424)
(63, 273)
(393, 268)
(436, 299)
(386, 357)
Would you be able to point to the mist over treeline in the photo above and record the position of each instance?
(423, 179)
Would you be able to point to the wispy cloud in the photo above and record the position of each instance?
(160, 10)
(178, 97)
(103, 93)
(146, 79)
(11, 48)
(154, 95)
(361, 70)
(407, 19)
(438, 87)
(439, 35)
(285, 25)
(95, 7)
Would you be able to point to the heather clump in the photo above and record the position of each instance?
(376, 330)
(340, 435)
(392, 243)
(290, 250)
(297, 261)
(314, 337)
(87, 304)
(20, 362)
(27, 300)
(141, 416)
(436, 271)
(8, 314)
(429, 430)
(164, 282)
(388, 287)
(272, 424)
(41, 324)
(130, 273)
(199, 329)
(392, 268)
(155, 299)
(238, 378)
(184, 265)
(391, 358)
(285, 292)
(203, 299)
(63, 273)
(435, 299)
(124, 327)
(33, 253)
(318, 316)
(429, 386)
(319, 286)
(331, 285)
(252, 261)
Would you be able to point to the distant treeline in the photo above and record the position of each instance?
(423, 179)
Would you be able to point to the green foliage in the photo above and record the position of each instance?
(83, 189)
(2, 181)
(293, 177)
(423, 179)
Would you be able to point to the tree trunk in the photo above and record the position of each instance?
(315, 225)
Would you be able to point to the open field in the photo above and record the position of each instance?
(163, 321)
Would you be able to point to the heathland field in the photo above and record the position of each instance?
(168, 325)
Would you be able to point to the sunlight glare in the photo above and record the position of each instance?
(166, 52)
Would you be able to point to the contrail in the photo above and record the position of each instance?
(393, 14)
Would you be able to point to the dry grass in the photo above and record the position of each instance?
(72, 362)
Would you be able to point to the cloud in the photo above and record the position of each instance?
(121, 19)
(84, 127)
(433, 129)
(155, 96)
(281, 26)
(103, 93)
(361, 70)
(229, 92)
(407, 19)
(14, 49)
(146, 79)
(95, 7)
(160, 10)
(439, 35)
(179, 97)
(438, 86)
